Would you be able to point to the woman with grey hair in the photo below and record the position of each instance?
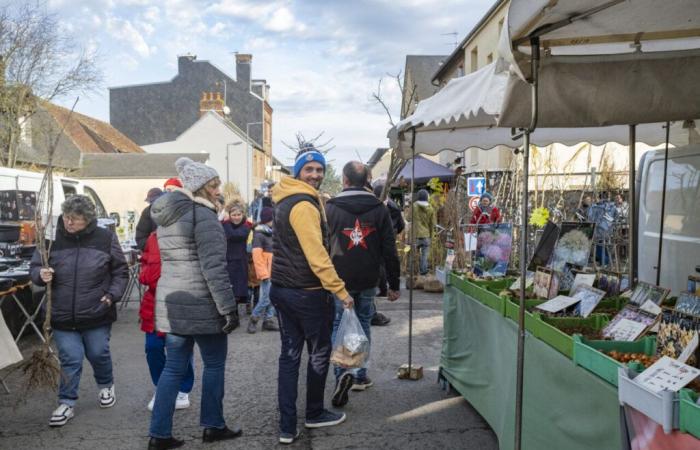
(88, 274)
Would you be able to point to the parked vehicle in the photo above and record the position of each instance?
(681, 232)
(23, 181)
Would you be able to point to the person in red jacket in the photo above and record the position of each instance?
(486, 213)
(155, 341)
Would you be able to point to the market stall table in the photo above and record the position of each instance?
(564, 407)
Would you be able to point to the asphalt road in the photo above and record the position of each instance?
(394, 414)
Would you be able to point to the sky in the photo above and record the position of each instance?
(323, 59)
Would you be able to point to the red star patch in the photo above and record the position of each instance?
(358, 234)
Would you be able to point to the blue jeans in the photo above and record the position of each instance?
(92, 344)
(264, 302)
(213, 348)
(423, 247)
(155, 357)
(305, 316)
(364, 308)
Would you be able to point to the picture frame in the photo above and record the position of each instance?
(546, 283)
(588, 297)
(646, 291)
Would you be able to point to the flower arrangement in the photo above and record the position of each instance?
(573, 247)
(539, 217)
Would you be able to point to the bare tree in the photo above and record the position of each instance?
(409, 98)
(39, 61)
(302, 143)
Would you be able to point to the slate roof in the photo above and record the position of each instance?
(376, 156)
(421, 69)
(142, 165)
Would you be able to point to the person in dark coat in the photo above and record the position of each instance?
(88, 274)
(237, 229)
(146, 226)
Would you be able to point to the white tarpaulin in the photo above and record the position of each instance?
(624, 62)
(465, 113)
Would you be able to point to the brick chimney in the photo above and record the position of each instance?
(243, 61)
(211, 101)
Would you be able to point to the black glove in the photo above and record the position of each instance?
(232, 322)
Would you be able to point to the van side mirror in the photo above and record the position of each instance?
(116, 218)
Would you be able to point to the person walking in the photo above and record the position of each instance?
(194, 301)
(145, 225)
(155, 341)
(303, 282)
(362, 239)
(88, 275)
(424, 225)
(397, 221)
(262, 259)
(486, 213)
(237, 229)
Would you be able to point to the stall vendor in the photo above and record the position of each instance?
(486, 213)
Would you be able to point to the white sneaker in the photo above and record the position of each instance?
(107, 398)
(183, 400)
(151, 403)
(61, 415)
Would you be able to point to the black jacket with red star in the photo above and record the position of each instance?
(362, 239)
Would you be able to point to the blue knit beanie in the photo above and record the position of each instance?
(308, 154)
(486, 195)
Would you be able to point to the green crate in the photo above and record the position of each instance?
(546, 330)
(589, 355)
(479, 294)
(512, 310)
(496, 285)
(690, 413)
(612, 303)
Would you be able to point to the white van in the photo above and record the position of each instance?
(63, 187)
(681, 237)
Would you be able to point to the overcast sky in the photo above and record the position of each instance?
(322, 58)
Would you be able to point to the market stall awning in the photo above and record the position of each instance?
(603, 62)
(465, 114)
(425, 171)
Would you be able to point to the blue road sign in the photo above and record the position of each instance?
(476, 186)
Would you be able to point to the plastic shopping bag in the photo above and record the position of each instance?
(351, 345)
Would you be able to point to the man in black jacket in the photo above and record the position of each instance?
(361, 239)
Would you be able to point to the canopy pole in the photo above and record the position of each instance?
(413, 253)
(632, 212)
(535, 45)
(663, 207)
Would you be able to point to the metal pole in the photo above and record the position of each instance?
(413, 254)
(535, 46)
(228, 164)
(632, 203)
(663, 207)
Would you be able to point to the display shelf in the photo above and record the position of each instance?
(689, 412)
(661, 407)
(590, 355)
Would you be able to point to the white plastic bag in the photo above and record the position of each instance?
(351, 345)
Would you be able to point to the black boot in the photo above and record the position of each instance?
(164, 443)
(221, 434)
(269, 325)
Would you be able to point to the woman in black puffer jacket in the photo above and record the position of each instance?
(88, 274)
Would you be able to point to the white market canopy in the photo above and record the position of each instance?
(580, 85)
(465, 114)
(604, 62)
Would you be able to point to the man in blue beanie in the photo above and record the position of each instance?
(303, 284)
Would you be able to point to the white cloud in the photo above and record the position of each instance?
(125, 31)
(243, 9)
(218, 28)
(151, 14)
(259, 43)
(282, 20)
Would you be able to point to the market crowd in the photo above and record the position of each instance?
(298, 268)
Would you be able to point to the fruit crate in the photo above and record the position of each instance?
(589, 355)
(661, 407)
(690, 413)
(479, 294)
(546, 329)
